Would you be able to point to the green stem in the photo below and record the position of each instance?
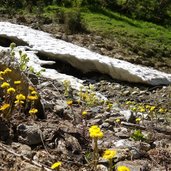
(95, 156)
(110, 165)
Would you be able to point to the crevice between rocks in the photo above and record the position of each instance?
(6, 41)
(66, 68)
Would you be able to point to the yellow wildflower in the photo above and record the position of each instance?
(17, 82)
(5, 85)
(134, 109)
(1, 78)
(123, 168)
(20, 97)
(138, 120)
(95, 132)
(32, 97)
(141, 109)
(2, 73)
(69, 102)
(148, 106)
(10, 90)
(162, 110)
(7, 70)
(33, 111)
(56, 165)
(152, 108)
(84, 113)
(34, 93)
(5, 106)
(31, 88)
(19, 102)
(128, 102)
(109, 154)
(118, 120)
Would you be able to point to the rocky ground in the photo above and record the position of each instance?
(28, 144)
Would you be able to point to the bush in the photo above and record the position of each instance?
(73, 22)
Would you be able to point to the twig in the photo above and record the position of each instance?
(24, 158)
(160, 129)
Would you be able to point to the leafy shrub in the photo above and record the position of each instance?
(73, 22)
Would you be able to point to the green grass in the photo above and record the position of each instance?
(145, 38)
(136, 35)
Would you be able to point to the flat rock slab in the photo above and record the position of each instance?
(81, 58)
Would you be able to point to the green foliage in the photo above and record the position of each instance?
(138, 135)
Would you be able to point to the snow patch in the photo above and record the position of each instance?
(82, 58)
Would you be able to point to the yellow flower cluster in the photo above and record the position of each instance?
(4, 106)
(123, 168)
(56, 165)
(109, 154)
(10, 90)
(33, 111)
(95, 132)
(20, 98)
(5, 85)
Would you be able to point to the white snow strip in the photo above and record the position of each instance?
(83, 58)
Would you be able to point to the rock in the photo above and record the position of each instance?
(72, 144)
(121, 132)
(30, 135)
(135, 165)
(129, 116)
(25, 150)
(59, 107)
(4, 130)
(42, 156)
(95, 122)
(105, 125)
(29, 167)
(101, 167)
(81, 58)
(126, 92)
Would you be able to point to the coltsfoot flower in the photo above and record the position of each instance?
(20, 97)
(17, 82)
(31, 88)
(95, 132)
(56, 165)
(123, 168)
(109, 154)
(32, 97)
(34, 93)
(5, 85)
(69, 102)
(33, 111)
(4, 106)
(84, 113)
(10, 90)
(7, 70)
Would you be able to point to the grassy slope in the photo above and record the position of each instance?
(144, 38)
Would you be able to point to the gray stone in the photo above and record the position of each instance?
(129, 115)
(105, 125)
(135, 165)
(30, 135)
(101, 167)
(95, 122)
(121, 132)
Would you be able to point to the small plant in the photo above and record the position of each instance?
(109, 155)
(67, 87)
(138, 135)
(95, 134)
